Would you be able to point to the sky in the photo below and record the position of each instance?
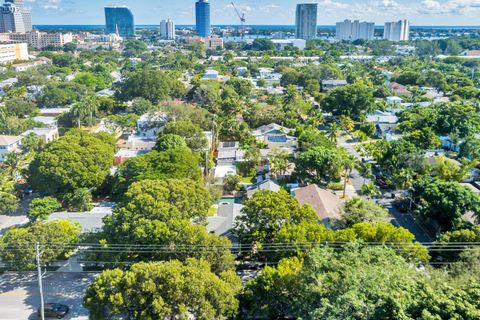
(266, 12)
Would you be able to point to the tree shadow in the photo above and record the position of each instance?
(58, 287)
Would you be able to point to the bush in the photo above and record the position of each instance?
(360, 136)
(335, 186)
(231, 182)
(40, 209)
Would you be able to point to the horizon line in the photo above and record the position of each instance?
(251, 25)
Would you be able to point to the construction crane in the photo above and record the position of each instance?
(242, 20)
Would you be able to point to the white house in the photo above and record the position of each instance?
(139, 143)
(269, 74)
(150, 124)
(9, 144)
(382, 117)
(211, 74)
(394, 100)
(229, 154)
(46, 134)
(50, 122)
(281, 44)
(328, 85)
(242, 71)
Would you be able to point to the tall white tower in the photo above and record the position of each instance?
(397, 31)
(167, 29)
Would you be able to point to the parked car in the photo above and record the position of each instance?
(28, 191)
(382, 183)
(54, 310)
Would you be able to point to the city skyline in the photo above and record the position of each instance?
(261, 12)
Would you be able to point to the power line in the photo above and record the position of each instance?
(214, 247)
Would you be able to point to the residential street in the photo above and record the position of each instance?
(399, 219)
(20, 297)
(405, 220)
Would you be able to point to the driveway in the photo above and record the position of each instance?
(20, 297)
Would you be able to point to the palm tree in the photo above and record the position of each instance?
(370, 190)
(7, 184)
(332, 131)
(365, 170)
(91, 106)
(279, 162)
(12, 162)
(4, 120)
(349, 163)
(290, 95)
(404, 178)
(78, 111)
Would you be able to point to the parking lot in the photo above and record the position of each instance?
(20, 297)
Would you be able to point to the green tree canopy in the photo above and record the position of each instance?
(165, 290)
(357, 210)
(178, 163)
(320, 164)
(270, 295)
(351, 100)
(20, 108)
(161, 217)
(262, 44)
(445, 202)
(17, 246)
(140, 106)
(190, 199)
(266, 213)
(77, 160)
(373, 283)
(151, 84)
(169, 141)
(192, 133)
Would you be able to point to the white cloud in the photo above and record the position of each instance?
(455, 7)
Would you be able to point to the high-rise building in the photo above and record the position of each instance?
(202, 15)
(306, 21)
(167, 29)
(14, 17)
(397, 31)
(119, 19)
(354, 30)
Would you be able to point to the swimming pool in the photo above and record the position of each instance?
(229, 200)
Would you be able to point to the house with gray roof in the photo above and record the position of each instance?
(89, 221)
(269, 185)
(222, 223)
(328, 85)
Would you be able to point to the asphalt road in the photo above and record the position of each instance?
(405, 220)
(20, 297)
(399, 219)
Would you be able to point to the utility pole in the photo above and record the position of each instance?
(39, 269)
